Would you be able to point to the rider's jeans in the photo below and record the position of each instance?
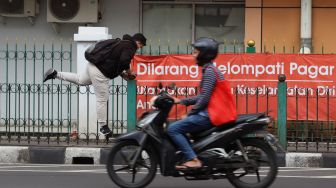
(92, 75)
(190, 124)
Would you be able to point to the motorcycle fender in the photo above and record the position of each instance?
(270, 139)
(137, 136)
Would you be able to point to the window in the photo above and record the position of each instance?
(167, 27)
(170, 26)
(224, 23)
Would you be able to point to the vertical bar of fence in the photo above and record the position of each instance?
(58, 113)
(236, 91)
(6, 86)
(267, 102)
(34, 86)
(43, 96)
(38, 113)
(282, 111)
(77, 91)
(68, 89)
(117, 107)
(186, 96)
(225, 47)
(159, 48)
(48, 107)
(246, 101)
(178, 47)
(296, 115)
(274, 47)
(87, 112)
(307, 118)
(168, 47)
(131, 105)
(328, 119)
(15, 81)
(317, 120)
(52, 89)
(112, 105)
(257, 99)
(122, 106)
(107, 123)
(25, 90)
(61, 113)
(70, 95)
(9, 88)
(19, 111)
(28, 124)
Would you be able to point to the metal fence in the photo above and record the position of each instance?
(32, 112)
(161, 47)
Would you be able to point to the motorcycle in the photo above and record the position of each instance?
(242, 152)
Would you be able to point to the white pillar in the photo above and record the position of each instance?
(306, 26)
(85, 37)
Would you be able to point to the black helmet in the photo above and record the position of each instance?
(208, 48)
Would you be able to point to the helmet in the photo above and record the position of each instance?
(208, 48)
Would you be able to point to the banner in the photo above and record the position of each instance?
(254, 77)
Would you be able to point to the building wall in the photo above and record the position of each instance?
(275, 25)
(118, 16)
(324, 26)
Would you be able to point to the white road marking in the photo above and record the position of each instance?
(102, 170)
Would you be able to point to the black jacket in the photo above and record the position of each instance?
(119, 59)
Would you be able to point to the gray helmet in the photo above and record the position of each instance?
(208, 48)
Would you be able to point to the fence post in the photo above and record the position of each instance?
(131, 104)
(282, 110)
(250, 47)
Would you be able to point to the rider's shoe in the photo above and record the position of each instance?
(105, 130)
(189, 165)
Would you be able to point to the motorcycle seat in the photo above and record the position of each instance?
(242, 118)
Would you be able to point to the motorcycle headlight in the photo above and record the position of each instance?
(147, 119)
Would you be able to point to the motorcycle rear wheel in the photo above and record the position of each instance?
(257, 151)
(119, 160)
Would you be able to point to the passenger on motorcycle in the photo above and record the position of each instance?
(205, 51)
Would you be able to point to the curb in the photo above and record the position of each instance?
(85, 155)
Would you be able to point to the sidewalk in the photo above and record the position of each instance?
(98, 155)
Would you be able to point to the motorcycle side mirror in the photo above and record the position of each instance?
(160, 86)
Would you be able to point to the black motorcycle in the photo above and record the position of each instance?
(243, 152)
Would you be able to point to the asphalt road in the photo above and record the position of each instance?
(88, 176)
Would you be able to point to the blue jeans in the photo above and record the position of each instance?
(190, 124)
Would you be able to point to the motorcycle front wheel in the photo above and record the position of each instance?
(120, 171)
(261, 170)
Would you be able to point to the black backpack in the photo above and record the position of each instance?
(99, 51)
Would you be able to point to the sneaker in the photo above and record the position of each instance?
(105, 130)
(50, 74)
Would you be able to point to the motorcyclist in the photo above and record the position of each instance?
(205, 51)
